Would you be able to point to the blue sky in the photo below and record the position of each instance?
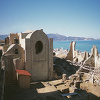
(66, 17)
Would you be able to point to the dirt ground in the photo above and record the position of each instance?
(49, 90)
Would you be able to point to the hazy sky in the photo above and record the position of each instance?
(66, 17)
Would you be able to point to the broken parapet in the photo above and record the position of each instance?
(75, 55)
(70, 54)
(91, 61)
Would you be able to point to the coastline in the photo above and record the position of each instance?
(82, 46)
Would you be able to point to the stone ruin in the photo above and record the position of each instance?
(71, 53)
(89, 63)
(31, 51)
(84, 58)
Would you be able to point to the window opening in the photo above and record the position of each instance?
(16, 51)
(16, 40)
(38, 47)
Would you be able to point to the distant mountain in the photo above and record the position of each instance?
(57, 37)
(2, 37)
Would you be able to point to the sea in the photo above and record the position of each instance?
(82, 46)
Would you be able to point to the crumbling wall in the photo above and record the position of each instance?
(7, 40)
(9, 58)
(82, 56)
(13, 37)
(91, 61)
(75, 55)
(10, 75)
(97, 62)
(71, 54)
(10, 67)
(14, 48)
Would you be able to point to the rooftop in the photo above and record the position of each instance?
(23, 72)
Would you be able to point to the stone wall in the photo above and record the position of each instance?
(81, 56)
(50, 59)
(39, 56)
(10, 75)
(75, 55)
(84, 58)
(22, 37)
(92, 60)
(10, 59)
(7, 40)
(97, 62)
(13, 37)
(10, 67)
(5, 47)
(19, 62)
(71, 54)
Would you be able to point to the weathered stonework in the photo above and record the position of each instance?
(9, 57)
(13, 37)
(92, 60)
(71, 54)
(39, 59)
(84, 58)
(75, 55)
(7, 40)
(31, 51)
